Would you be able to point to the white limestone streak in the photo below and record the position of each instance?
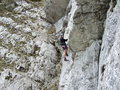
(73, 3)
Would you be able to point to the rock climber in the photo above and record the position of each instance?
(64, 46)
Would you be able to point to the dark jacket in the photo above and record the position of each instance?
(62, 41)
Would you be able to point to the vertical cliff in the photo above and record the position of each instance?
(84, 28)
(32, 59)
(109, 66)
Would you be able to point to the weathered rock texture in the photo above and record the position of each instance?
(30, 58)
(55, 9)
(82, 73)
(109, 65)
(84, 30)
(88, 23)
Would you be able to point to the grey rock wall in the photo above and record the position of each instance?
(28, 56)
(88, 23)
(109, 67)
(84, 29)
(55, 9)
(82, 73)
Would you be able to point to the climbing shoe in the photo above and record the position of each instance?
(65, 59)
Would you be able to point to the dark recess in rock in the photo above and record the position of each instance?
(113, 4)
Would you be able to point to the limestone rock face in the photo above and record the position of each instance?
(82, 73)
(28, 56)
(84, 29)
(31, 59)
(110, 54)
(88, 23)
(82, 33)
(55, 9)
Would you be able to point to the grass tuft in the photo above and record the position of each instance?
(4, 65)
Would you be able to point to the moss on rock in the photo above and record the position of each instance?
(4, 64)
(8, 77)
(36, 0)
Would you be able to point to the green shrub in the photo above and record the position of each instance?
(4, 64)
(8, 77)
(36, 0)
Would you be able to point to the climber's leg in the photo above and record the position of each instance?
(66, 49)
(65, 54)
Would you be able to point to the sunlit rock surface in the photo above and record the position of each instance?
(109, 67)
(32, 59)
(28, 56)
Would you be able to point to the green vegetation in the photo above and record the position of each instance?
(1, 42)
(7, 1)
(39, 2)
(4, 64)
(8, 77)
(36, 0)
(6, 11)
(7, 4)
